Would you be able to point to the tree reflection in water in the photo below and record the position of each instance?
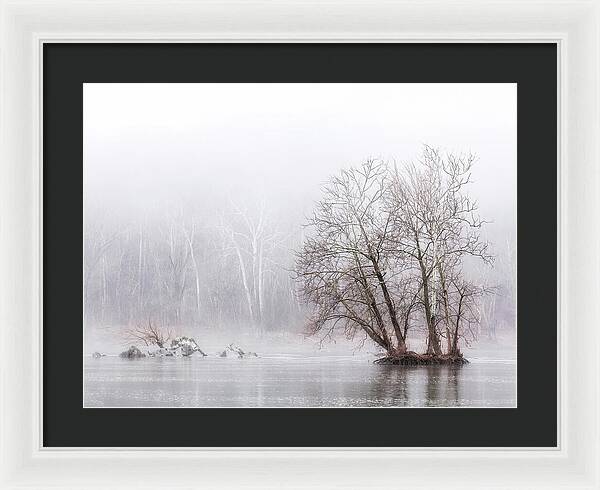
(430, 386)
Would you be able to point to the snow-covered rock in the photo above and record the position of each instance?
(132, 353)
(238, 351)
(179, 347)
(160, 352)
(186, 346)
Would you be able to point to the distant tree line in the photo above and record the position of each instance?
(393, 252)
(228, 266)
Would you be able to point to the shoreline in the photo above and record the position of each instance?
(413, 359)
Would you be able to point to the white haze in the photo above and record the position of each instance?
(144, 143)
(148, 147)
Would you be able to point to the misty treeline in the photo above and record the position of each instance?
(209, 264)
(396, 252)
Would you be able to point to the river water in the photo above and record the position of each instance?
(295, 381)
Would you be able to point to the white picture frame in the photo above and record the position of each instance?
(26, 26)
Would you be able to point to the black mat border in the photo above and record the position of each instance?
(533, 66)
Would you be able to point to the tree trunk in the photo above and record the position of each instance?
(140, 270)
(196, 272)
(454, 351)
(372, 302)
(104, 290)
(401, 347)
(433, 342)
(245, 284)
(260, 283)
(446, 308)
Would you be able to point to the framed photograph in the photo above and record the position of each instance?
(339, 255)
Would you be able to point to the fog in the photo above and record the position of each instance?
(173, 173)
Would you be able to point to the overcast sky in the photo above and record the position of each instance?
(153, 143)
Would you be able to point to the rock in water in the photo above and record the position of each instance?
(160, 352)
(187, 350)
(185, 346)
(132, 353)
(239, 351)
(179, 347)
(97, 355)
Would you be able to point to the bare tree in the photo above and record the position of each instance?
(174, 271)
(435, 225)
(253, 242)
(463, 312)
(386, 252)
(190, 238)
(344, 268)
(149, 334)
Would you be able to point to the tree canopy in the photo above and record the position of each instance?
(385, 254)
